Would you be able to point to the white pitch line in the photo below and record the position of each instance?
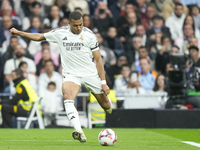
(191, 143)
(39, 140)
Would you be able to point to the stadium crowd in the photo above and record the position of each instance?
(136, 39)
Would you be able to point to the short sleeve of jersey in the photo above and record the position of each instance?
(50, 36)
(94, 43)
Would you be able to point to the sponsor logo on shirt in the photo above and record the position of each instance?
(71, 46)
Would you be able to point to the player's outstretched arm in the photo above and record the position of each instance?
(31, 36)
(100, 69)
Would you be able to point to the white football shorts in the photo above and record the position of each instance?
(91, 83)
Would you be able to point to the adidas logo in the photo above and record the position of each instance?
(65, 38)
(72, 118)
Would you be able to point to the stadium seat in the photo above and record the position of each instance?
(34, 115)
(91, 109)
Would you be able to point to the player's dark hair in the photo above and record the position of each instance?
(22, 63)
(75, 15)
(35, 4)
(52, 83)
(18, 72)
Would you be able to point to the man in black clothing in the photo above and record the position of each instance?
(22, 101)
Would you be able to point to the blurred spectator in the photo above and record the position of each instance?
(10, 50)
(147, 22)
(142, 7)
(190, 2)
(6, 3)
(5, 33)
(51, 104)
(110, 58)
(158, 6)
(115, 71)
(147, 77)
(30, 77)
(175, 21)
(183, 41)
(117, 8)
(63, 22)
(194, 42)
(25, 9)
(163, 57)
(128, 32)
(13, 63)
(79, 3)
(103, 18)
(143, 53)
(133, 53)
(6, 10)
(189, 20)
(47, 76)
(87, 22)
(60, 3)
(168, 68)
(157, 27)
(6, 25)
(141, 32)
(159, 88)
(194, 51)
(196, 16)
(122, 21)
(65, 9)
(155, 46)
(169, 8)
(45, 56)
(121, 83)
(53, 55)
(128, 82)
(36, 27)
(36, 10)
(54, 16)
(93, 5)
(113, 42)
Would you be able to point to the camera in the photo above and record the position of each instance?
(177, 86)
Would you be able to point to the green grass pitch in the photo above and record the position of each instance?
(127, 139)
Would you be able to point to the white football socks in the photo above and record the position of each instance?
(72, 115)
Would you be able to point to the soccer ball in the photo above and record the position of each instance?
(107, 137)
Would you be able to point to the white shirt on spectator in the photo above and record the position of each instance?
(12, 64)
(51, 102)
(44, 80)
(175, 25)
(120, 86)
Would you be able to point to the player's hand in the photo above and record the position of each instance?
(14, 31)
(105, 89)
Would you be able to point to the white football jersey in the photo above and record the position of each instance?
(75, 50)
